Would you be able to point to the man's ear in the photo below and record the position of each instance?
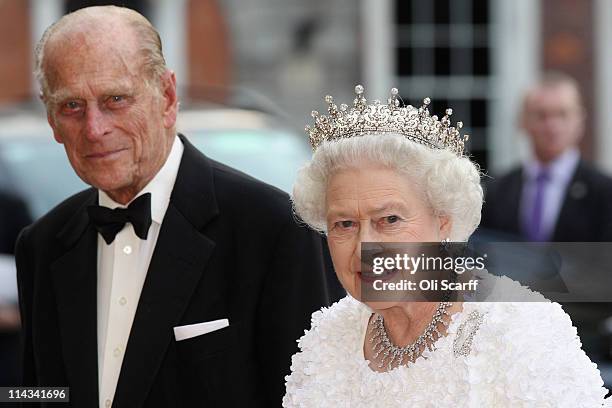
(170, 106)
(523, 112)
(58, 138)
(581, 122)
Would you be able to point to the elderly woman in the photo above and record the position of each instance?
(385, 173)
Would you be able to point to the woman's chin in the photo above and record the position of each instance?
(379, 306)
(352, 285)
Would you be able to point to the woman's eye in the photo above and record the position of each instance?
(72, 105)
(392, 219)
(117, 98)
(345, 224)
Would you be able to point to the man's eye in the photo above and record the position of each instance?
(117, 102)
(70, 107)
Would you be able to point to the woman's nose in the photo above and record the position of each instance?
(366, 234)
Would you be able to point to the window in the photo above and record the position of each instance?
(443, 51)
(138, 5)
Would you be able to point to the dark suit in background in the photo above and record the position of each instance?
(585, 216)
(229, 247)
(586, 210)
(14, 216)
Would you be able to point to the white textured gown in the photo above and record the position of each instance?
(495, 354)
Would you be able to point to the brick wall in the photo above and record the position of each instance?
(208, 51)
(567, 46)
(15, 52)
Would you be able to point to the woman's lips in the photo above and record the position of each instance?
(370, 277)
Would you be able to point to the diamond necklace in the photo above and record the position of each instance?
(396, 356)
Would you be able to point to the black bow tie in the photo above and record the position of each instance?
(109, 222)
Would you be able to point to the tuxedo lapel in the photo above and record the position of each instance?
(74, 278)
(572, 206)
(501, 214)
(177, 265)
(511, 205)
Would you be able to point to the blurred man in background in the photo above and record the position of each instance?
(555, 195)
(14, 216)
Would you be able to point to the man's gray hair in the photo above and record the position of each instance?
(551, 79)
(450, 184)
(153, 62)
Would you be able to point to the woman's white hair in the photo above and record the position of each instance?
(451, 184)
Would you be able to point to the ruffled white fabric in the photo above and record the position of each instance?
(524, 354)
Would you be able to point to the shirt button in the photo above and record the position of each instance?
(117, 352)
(127, 249)
(122, 301)
(107, 403)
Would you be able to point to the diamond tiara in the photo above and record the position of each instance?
(414, 123)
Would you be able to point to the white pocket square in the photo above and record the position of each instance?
(198, 329)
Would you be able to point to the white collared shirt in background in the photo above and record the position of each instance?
(122, 269)
(561, 171)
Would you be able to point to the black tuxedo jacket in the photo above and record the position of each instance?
(585, 215)
(228, 247)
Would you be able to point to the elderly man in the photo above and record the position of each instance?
(554, 196)
(175, 281)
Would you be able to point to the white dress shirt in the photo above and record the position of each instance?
(122, 269)
(561, 171)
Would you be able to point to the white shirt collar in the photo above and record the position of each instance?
(562, 168)
(160, 186)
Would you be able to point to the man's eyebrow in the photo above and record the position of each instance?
(119, 90)
(60, 96)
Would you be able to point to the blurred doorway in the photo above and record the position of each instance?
(141, 6)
